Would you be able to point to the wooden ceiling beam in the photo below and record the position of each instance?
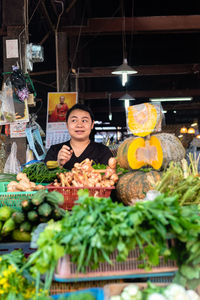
(175, 69)
(137, 25)
(140, 94)
(150, 70)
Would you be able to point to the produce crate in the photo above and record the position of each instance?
(71, 194)
(66, 270)
(98, 293)
(66, 287)
(9, 247)
(13, 199)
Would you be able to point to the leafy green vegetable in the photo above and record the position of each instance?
(97, 227)
(38, 172)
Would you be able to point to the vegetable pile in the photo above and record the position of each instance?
(39, 172)
(23, 184)
(181, 180)
(84, 175)
(153, 292)
(40, 208)
(98, 227)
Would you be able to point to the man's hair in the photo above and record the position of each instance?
(81, 107)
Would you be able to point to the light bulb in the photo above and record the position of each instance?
(124, 78)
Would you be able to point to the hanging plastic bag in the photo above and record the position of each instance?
(7, 104)
(12, 164)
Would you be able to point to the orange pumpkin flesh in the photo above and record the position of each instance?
(142, 119)
(141, 152)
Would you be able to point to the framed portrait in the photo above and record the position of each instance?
(58, 105)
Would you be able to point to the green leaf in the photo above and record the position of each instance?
(190, 272)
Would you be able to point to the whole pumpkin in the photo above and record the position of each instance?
(156, 151)
(134, 185)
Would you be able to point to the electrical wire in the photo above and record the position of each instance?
(76, 50)
(132, 32)
(97, 35)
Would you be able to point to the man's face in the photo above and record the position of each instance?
(62, 99)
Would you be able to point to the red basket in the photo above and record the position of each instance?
(71, 193)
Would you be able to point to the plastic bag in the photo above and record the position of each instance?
(7, 104)
(12, 164)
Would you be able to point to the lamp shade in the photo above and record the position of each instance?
(183, 130)
(124, 68)
(191, 130)
(126, 97)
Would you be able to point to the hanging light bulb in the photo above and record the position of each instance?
(124, 70)
(183, 130)
(191, 130)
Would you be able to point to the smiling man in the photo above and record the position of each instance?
(80, 122)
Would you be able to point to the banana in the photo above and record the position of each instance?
(52, 164)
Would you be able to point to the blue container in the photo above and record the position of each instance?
(98, 293)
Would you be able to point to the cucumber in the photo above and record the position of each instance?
(58, 213)
(39, 197)
(5, 213)
(44, 210)
(26, 205)
(18, 217)
(55, 198)
(25, 226)
(18, 235)
(8, 226)
(32, 216)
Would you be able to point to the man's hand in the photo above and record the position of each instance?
(64, 155)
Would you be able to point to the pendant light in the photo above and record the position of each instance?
(191, 130)
(183, 130)
(126, 98)
(124, 69)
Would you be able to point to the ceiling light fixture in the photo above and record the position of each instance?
(183, 130)
(171, 99)
(191, 130)
(124, 70)
(126, 98)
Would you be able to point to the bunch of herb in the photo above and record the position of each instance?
(39, 172)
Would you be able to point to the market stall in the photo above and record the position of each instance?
(149, 229)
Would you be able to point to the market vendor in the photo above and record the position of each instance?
(80, 122)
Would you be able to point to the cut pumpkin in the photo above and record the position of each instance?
(156, 152)
(143, 118)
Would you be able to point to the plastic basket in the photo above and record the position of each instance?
(98, 293)
(68, 270)
(9, 247)
(66, 287)
(14, 199)
(71, 194)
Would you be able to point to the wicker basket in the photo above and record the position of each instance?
(66, 287)
(71, 194)
(68, 270)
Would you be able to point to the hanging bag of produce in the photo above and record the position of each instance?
(12, 164)
(7, 104)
